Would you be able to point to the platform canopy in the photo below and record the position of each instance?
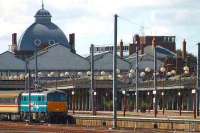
(9, 62)
(145, 60)
(104, 62)
(59, 58)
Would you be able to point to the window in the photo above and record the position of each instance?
(57, 97)
(51, 42)
(165, 39)
(173, 39)
(39, 98)
(7, 100)
(25, 98)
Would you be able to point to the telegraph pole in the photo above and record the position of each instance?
(92, 81)
(198, 80)
(137, 43)
(115, 73)
(155, 79)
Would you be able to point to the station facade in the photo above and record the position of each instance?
(58, 62)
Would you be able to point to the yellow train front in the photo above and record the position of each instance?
(57, 106)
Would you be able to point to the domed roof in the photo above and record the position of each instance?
(44, 30)
(43, 13)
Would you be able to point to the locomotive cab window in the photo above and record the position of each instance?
(24, 98)
(40, 98)
(57, 97)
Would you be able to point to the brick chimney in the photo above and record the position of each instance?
(14, 43)
(72, 42)
(142, 43)
(184, 50)
(131, 49)
(142, 48)
(121, 49)
(154, 42)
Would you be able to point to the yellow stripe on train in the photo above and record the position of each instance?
(9, 109)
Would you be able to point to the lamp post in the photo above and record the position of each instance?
(37, 43)
(186, 71)
(91, 75)
(162, 69)
(142, 74)
(154, 102)
(179, 95)
(194, 102)
(149, 103)
(73, 101)
(198, 79)
(115, 73)
(154, 44)
(124, 102)
(94, 103)
(148, 70)
(130, 75)
(137, 42)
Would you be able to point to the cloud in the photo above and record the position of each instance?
(92, 20)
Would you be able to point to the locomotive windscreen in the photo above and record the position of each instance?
(57, 96)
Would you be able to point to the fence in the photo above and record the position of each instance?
(138, 122)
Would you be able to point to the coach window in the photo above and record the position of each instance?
(23, 98)
(39, 98)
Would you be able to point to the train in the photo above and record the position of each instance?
(47, 106)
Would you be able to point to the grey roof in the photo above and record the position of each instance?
(145, 60)
(162, 52)
(104, 62)
(44, 30)
(59, 58)
(9, 62)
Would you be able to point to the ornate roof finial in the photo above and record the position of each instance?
(42, 4)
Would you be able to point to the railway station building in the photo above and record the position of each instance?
(60, 67)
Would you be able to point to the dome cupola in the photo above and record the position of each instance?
(44, 30)
(43, 16)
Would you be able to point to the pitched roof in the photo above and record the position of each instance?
(161, 52)
(104, 62)
(59, 58)
(9, 62)
(145, 60)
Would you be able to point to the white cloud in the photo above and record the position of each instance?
(92, 20)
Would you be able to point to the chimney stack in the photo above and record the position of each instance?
(142, 48)
(131, 49)
(72, 42)
(14, 38)
(154, 42)
(184, 50)
(14, 42)
(121, 49)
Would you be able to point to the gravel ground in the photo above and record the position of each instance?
(19, 127)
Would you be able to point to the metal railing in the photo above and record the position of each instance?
(139, 122)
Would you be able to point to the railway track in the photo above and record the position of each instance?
(21, 127)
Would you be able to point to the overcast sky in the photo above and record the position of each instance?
(92, 20)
